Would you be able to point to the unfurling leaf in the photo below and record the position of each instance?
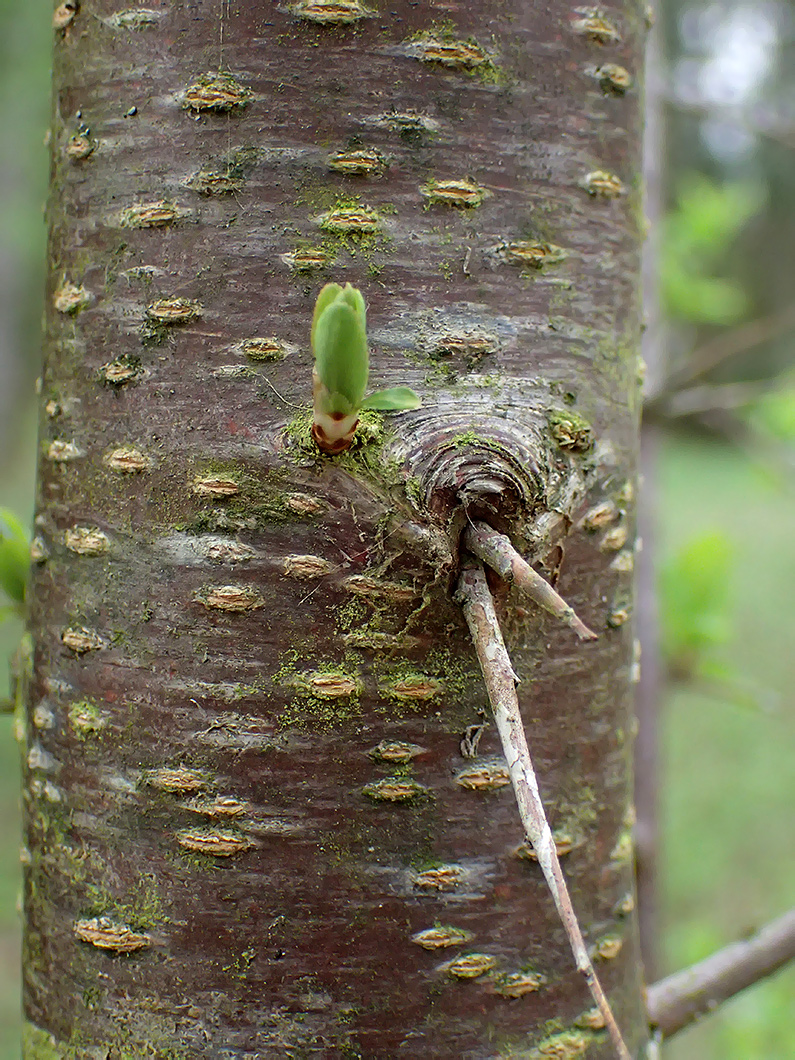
(339, 343)
(395, 399)
(340, 346)
(330, 293)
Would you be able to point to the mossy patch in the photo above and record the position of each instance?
(471, 439)
(352, 615)
(365, 456)
(526, 980)
(410, 686)
(350, 226)
(37, 1044)
(351, 222)
(307, 257)
(462, 194)
(440, 45)
(219, 92)
(576, 815)
(373, 626)
(443, 677)
(226, 175)
(347, 224)
(360, 162)
(571, 431)
(563, 1046)
(236, 497)
(325, 694)
(141, 909)
(395, 788)
(122, 370)
(330, 12)
(86, 719)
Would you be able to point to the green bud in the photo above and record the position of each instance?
(327, 295)
(342, 365)
(339, 341)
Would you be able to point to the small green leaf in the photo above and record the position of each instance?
(353, 296)
(774, 413)
(396, 399)
(331, 293)
(14, 556)
(340, 343)
(327, 295)
(697, 237)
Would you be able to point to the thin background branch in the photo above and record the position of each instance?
(730, 344)
(681, 998)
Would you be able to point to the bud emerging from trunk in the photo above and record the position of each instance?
(339, 378)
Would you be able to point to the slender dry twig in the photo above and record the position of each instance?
(730, 344)
(758, 121)
(496, 550)
(718, 396)
(683, 997)
(473, 594)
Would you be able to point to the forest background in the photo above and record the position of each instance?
(723, 481)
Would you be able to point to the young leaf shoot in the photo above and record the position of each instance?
(342, 364)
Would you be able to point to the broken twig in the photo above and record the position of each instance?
(473, 594)
(496, 550)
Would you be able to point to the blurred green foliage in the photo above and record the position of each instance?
(773, 414)
(16, 492)
(695, 603)
(14, 562)
(698, 621)
(729, 786)
(697, 235)
(754, 1024)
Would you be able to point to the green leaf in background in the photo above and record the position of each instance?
(694, 603)
(774, 413)
(697, 235)
(701, 299)
(710, 215)
(395, 399)
(14, 556)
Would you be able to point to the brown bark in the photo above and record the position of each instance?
(244, 791)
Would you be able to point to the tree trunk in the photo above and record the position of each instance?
(649, 691)
(255, 763)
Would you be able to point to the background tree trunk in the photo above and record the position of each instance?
(224, 856)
